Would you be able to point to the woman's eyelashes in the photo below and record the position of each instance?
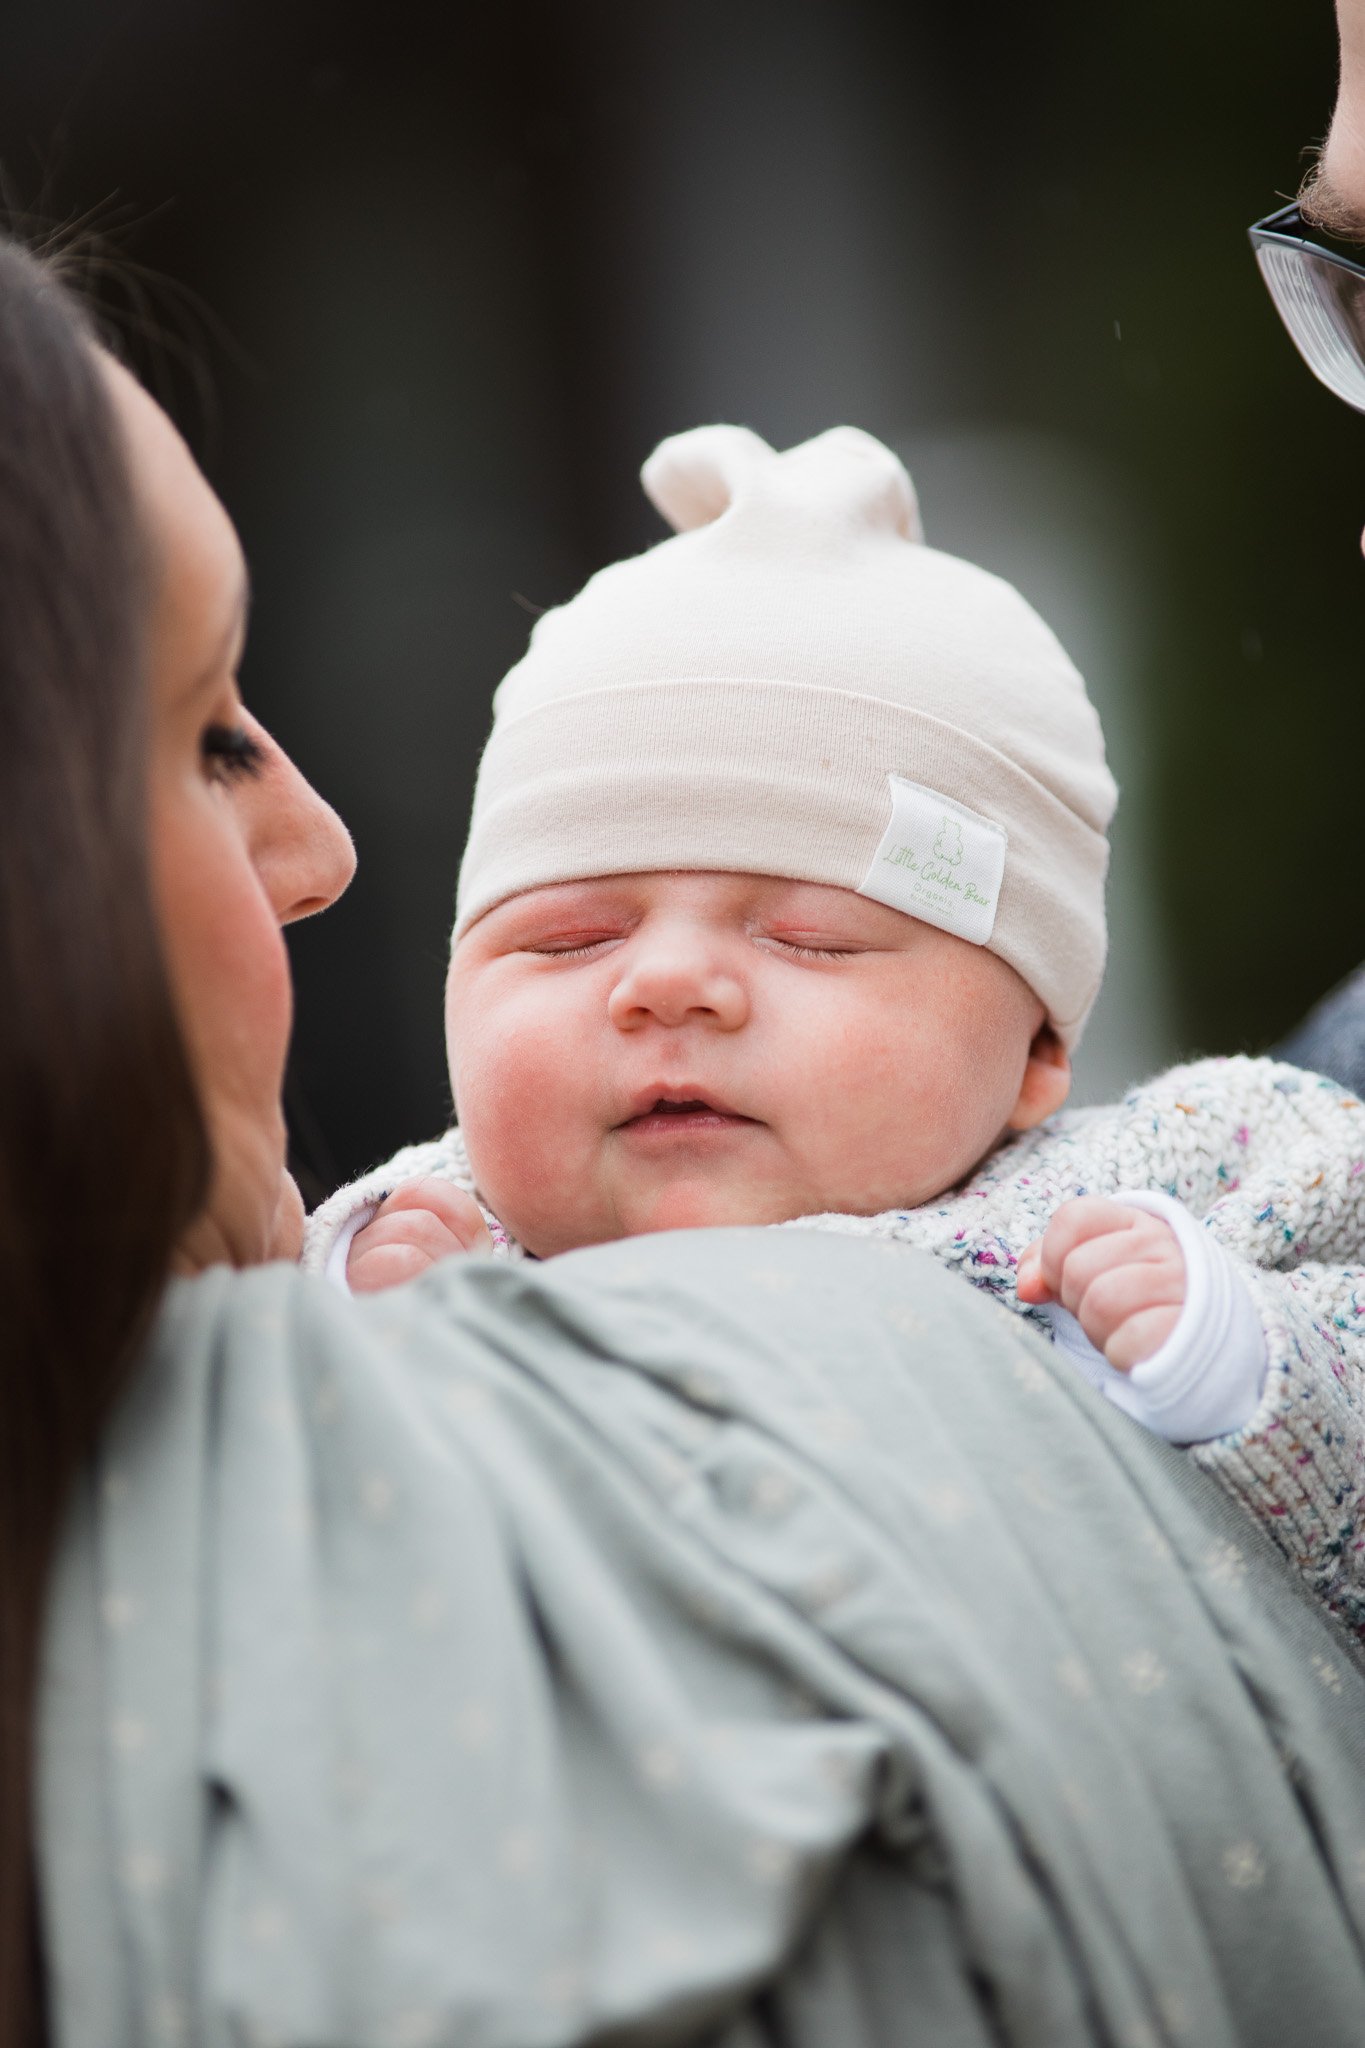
(229, 751)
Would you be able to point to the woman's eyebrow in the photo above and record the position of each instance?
(232, 632)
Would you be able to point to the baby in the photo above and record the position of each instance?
(784, 900)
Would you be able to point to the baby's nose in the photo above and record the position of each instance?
(677, 981)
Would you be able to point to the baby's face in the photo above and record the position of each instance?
(666, 1051)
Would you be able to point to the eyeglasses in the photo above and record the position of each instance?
(1320, 296)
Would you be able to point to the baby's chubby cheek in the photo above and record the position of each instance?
(925, 1080)
(505, 1121)
(900, 1132)
(517, 1090)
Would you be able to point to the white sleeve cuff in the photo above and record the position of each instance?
(335, 1268)
(1207, 1378)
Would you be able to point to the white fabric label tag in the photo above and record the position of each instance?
(938, 861)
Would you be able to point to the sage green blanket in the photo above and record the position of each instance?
(740, 1637)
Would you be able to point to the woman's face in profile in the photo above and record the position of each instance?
(240, 844)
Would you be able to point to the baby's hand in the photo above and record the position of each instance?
(421, 1222)
(1118, 1270)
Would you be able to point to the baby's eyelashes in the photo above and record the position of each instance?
(805, 950)
(571, 949)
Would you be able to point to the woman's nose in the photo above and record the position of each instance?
(674, 977)
(301, 850)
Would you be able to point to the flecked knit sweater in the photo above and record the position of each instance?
(1271, 1158)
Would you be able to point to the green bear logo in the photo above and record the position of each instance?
(948, 845)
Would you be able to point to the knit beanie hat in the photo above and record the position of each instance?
(796, 685)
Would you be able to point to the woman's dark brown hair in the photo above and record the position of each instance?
(103, 1157)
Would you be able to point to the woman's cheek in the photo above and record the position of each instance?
(249, 964)
(277, 994)
(224, 947)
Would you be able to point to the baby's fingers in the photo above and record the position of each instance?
(1029, 1283)
(1043, 1264)
(375, 1264)
(1121, 1295)
(454, 1210)
(1072, 1247)
(1119, 1271)
(420, 1223)
(1141, 1337)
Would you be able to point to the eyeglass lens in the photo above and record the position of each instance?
(1323, 306)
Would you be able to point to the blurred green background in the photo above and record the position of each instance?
(448, 275)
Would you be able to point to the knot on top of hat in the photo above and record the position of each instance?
(843, 477)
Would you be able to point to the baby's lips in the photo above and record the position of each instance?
(662, 1098)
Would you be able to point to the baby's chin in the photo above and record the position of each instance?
(685, 1205)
